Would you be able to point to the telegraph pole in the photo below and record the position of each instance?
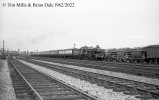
(18, 51)
(3, 46)
(74, 46)
(3, 55)
(27, 52)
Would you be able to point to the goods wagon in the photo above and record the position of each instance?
(152, 53)
(138, 55)
(121, 55)
(149, 54)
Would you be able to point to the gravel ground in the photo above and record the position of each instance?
(93, 89)
(6, 89)
(110, 73)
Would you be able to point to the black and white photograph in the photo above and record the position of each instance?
(79, 49)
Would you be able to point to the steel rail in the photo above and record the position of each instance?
(36, 93)
(81, 93)
(140, 71)
(98, 78)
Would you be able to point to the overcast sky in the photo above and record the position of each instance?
(108, 23)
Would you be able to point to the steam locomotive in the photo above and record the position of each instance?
(148, 54)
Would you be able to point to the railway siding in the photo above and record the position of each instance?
(92, 89)
(110, 73)
(49, 88)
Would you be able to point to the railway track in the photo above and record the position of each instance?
(143, 91)
(31, 84)
(135, 69)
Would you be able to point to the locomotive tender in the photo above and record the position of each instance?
(148, 54)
